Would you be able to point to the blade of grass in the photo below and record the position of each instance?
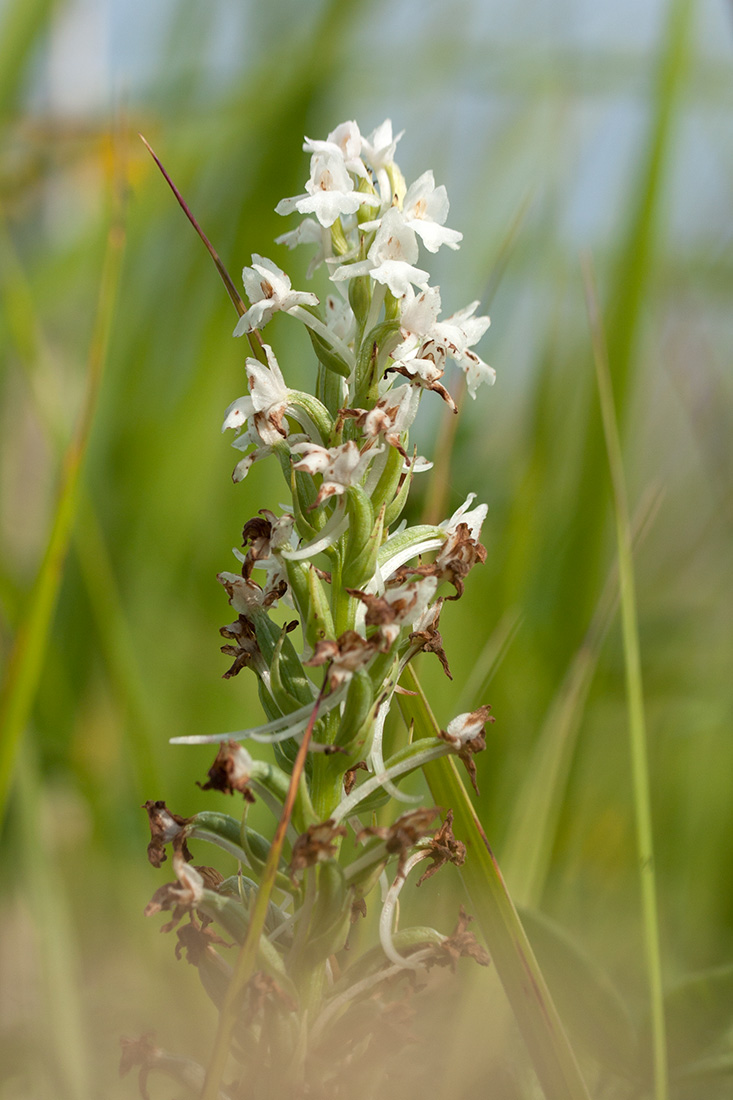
(116, 643)
(224, 274)
(533, 826)
(634, 691)
(26, 657)
(92, 551)
(525, 987)
(628, 296)
(490, 658)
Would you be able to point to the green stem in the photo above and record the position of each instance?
(248, 952)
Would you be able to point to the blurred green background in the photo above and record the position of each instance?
(559, 129)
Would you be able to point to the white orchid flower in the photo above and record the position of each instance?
(472, 517)
(329, 191)
(341, 466)
(425, 209)
(269, 290)
(379, 148)
(344, 141)
(391, 257)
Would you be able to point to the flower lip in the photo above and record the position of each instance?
(425, 209)
(341, 466)
(329, 191)
(380, 147)
(269, 290)
(344, 141)
(391, 257)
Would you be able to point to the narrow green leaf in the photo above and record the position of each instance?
(634, 694)
(533, 827)
(509, 947)
(26, 658)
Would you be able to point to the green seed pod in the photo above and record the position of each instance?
(361, 528)
(227, 912)
(307, 523)
(388, 489)
(319, 623)
(220, 829)
(315, 415)
(357, 712)
(373, 354)
(297, 572)
(360, 298)
(290, 687)
(331, 913)
(398, 502)
(338, 239)
(328, 357)
(364, 539)
(329, 389)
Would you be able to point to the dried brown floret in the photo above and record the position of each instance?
(181, 896)
(430, 639)
(358, 909)
(264, 993)
(316, 844)
(444, 848)
(246, 650)
(144, 1053)
(400, 837)
(197, 941)
(230, 771)
(165, 828)
(460, 944)
(454, 561)
(344, 655)
(257, 533)
(350, 775)
(467, 735)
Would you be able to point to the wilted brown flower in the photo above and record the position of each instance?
(461, 943)
(428, 636)
(400, 837)
(344, 656)
(467, 734)
(144, 1053)
(183, 895)
(444, 848)
(453, 562)
(316, 844)
(197, 941)
(165, 828)
(230, 771)
(246, 650)
(263, 992)
(350, 775)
